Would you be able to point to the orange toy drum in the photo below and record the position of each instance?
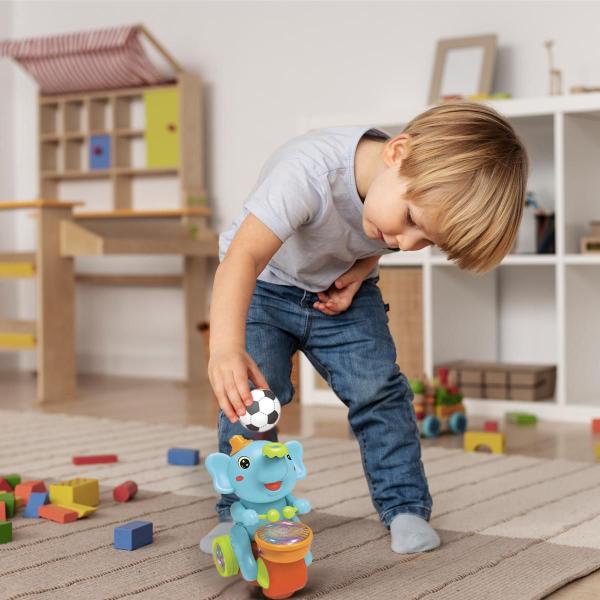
(281, 547)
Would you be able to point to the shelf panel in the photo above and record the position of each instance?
(582, 259)
(75, 175)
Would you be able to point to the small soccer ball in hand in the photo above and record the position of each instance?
(263, 413)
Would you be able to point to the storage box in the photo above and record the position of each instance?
(504, 381)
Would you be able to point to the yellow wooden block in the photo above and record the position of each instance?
(162, 128)
(80, 509)
(19, 502)
(75, 491)
(17, 340)
(598, 450)
(17, 269)
(484, 440)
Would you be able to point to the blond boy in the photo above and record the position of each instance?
(299, 271)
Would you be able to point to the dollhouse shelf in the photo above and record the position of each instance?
(534, 308)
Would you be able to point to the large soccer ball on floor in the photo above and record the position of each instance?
(264, 412)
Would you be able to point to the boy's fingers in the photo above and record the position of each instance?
(224, 403)
(243, 389)
(234, 396)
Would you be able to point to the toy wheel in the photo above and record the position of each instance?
(457, 423)
(224, 556)
(431, 426)
(262, 576)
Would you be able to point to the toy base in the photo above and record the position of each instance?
(284, 578)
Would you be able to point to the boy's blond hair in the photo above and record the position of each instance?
(467, 164)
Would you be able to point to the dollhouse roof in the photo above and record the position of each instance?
(90, 60)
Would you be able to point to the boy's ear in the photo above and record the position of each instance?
(396, 150)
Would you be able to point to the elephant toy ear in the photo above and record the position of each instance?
(216, 464)
(295, 449)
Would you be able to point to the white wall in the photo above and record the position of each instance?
(266, 65)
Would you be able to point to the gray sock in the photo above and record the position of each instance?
(411, 533)
(222, 528)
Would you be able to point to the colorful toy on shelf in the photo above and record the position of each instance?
(595, 425)
(597, 451)
(438, 404)
(268, 543)
(490, 426)
(484, 441)
(521, 418)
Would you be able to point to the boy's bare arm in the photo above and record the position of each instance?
(230, 366)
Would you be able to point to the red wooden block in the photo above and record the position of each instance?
(25, 488)
(58, 514)
(125, 492)
(3, 512)
(490, 426)
(95, 460)
(4, 485)
(595, 425)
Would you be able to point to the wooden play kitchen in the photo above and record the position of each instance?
(88, 135)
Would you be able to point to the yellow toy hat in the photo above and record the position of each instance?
(237, 443)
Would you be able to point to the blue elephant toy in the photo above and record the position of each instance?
(262, 474)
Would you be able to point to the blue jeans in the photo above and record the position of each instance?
(354, 352)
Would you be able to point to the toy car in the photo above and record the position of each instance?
(438, 405)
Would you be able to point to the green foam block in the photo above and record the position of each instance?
(521, 418)
(9, 499)
(5, 532)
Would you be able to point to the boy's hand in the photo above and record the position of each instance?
(338, 297)
(228, 372)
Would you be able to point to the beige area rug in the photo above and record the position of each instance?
(512, 527)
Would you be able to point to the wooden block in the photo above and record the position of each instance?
(9, 500)
(595, 425)
(81, 510)
(183, 456)
(133, 535)
(95, 460)
(19, 502)
(490, 426)
(484, 440)
(25, 488)
(35, 502)
(5, 532)
(125, 492)
(84, 491)
(13, 480)
(5, 486)
(58, 514)
(598, 450)
(3, 516)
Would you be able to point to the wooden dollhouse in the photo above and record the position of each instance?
(88, 85)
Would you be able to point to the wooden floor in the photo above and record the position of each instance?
(160, 401)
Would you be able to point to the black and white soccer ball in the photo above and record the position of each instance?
(264, 412)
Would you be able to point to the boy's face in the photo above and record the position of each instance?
(387, 215)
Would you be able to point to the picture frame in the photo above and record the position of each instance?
(466, 64)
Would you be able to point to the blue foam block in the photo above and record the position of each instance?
(36, 499)
(186, 457)
(134, 535)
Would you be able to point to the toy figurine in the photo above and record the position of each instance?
(267, 543)
(438, 404)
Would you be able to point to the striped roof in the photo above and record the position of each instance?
(91, 60)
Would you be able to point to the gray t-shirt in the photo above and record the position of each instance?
(306, 195)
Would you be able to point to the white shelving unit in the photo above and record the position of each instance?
(533, 308)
